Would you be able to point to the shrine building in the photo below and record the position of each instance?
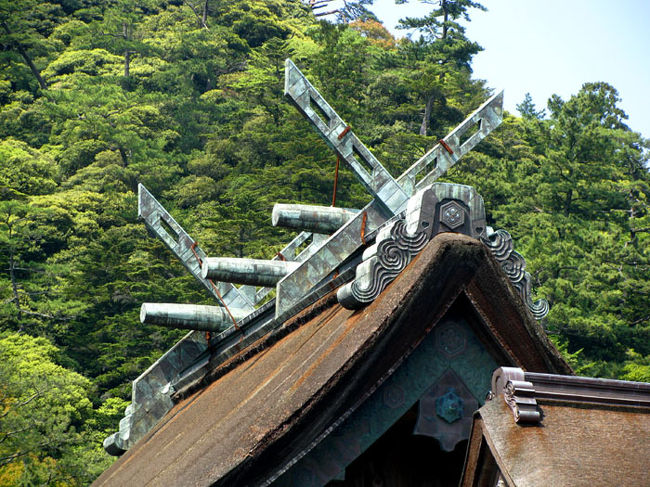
(395, 345)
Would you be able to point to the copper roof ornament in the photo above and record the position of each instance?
(513, 264)
(391, 196)
(361, 250)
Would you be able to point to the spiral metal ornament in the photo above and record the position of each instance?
(514, 267)
(500, 244)
(393, 254)
(513, 264)
(519, 395)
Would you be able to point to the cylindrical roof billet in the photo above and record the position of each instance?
(256, 272)
(189, 316)
(310, 218)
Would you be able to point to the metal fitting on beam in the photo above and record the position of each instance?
(256, 272)
(311, 218)
(190, 316)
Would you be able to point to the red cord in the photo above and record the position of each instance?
(446, 146)
(336, 180)
(363, 227)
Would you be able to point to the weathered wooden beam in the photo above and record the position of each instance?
(312, 218)
(190, 316)
(256, 272)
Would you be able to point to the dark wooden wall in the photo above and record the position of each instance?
(401, 459)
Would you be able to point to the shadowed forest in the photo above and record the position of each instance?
(186, 97)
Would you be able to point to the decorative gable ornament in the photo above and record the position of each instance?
(358, 251)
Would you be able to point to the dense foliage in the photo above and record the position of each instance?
(185, 96)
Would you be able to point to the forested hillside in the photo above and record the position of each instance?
(185, 96)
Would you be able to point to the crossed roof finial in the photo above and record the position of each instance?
(296, 273)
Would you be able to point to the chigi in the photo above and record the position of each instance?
(395, 345)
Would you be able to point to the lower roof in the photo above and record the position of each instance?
(575, 444)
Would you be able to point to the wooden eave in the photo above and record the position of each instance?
(576, 444)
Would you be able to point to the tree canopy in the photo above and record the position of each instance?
(186, 97)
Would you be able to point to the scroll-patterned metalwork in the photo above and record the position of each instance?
(394, 249)
(437, 208)
(390, 195)
(519, 395)
(514, 265)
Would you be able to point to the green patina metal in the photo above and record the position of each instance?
(450, 407)
(296, 274)
(450, 345)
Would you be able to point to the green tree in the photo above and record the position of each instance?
(119, 31)
(43, 407)
(573, 190)
(356, 10)
(527, 108)
(201, 120)
(442, 22)
(27, 232)
(443, 51)
(24, 27)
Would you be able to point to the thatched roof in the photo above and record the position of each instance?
(272, 402)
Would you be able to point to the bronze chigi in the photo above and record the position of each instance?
(358, 251)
